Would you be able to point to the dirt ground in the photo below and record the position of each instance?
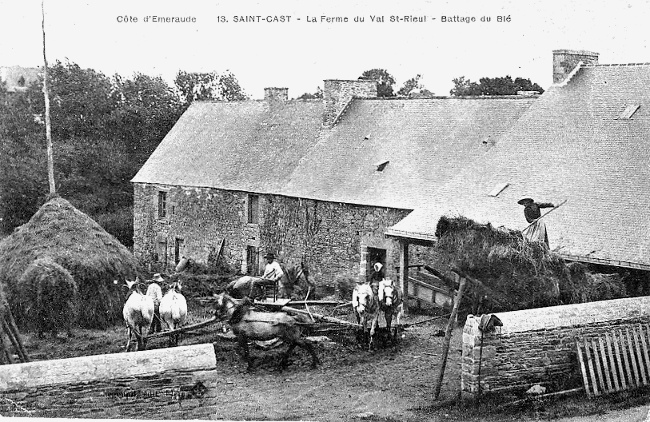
(393, 383)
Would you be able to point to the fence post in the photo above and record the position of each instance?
(450, 327)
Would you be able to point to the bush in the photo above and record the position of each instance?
(119, 223)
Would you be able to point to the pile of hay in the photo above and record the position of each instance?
(50, 297)
(73, 240)
(516, 273)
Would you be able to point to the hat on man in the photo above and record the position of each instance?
(158, 277)
(269, 255)
(524, 199)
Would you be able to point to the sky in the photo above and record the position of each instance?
(299, 48)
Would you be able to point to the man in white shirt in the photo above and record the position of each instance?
(273, 271)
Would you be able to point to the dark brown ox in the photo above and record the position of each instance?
(249, 324)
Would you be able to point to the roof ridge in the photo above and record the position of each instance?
(616, 64)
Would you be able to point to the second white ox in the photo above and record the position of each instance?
(173, 310)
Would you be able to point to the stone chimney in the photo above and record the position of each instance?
(564, 61)
(338, 93)
(276, 94)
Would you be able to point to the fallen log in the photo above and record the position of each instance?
(184, 329)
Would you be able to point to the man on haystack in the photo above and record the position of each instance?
(532, 211)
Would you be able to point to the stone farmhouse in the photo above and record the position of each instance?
(586, 140)
(313, 180)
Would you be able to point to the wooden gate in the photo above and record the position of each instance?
(615, 361)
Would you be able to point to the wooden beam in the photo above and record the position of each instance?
(450, 326)
(404, 272)
(184, 329)
(106, 367)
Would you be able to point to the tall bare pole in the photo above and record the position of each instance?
(48, 123)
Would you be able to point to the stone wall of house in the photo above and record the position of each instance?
(200, 217)
(332, 238)
(537, 346)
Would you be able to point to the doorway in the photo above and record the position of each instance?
(252, 260)
(375, 255)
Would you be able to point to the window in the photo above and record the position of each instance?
(381, 165)
(161, 252)
(628, 112)
(253, 209)
(178, 250)
(252, 260)
(162, 204)
(498, 188)
(21, 81)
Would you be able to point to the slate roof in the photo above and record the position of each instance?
(246, 146)
(285, 150)
(425, 141)
(571, 144)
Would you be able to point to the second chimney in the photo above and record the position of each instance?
(337, 94)
(564, 61)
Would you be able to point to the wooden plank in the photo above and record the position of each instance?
(590, 365)
(429, 286)
(450, 326)
(583, 369)
(598, 365)
(630, 348)
(404, 272)
(603, 357)
(621, 359)
(639, 356)
(106, 367)
(612, 361)
(626, 359)
(644, 344)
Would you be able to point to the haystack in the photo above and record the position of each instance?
(73, 240)
(47, 296)
(516, 273)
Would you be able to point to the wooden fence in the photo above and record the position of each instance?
(616, 361)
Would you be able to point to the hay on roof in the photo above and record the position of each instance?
(73, 240)
(516, 273)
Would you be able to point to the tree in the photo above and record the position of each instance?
(195, 86)
(413, 86)
(493, 86)
(316, 95)
(146, 109)
(385, 81)
(464, 87)
(23, 176)
(81, 100)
